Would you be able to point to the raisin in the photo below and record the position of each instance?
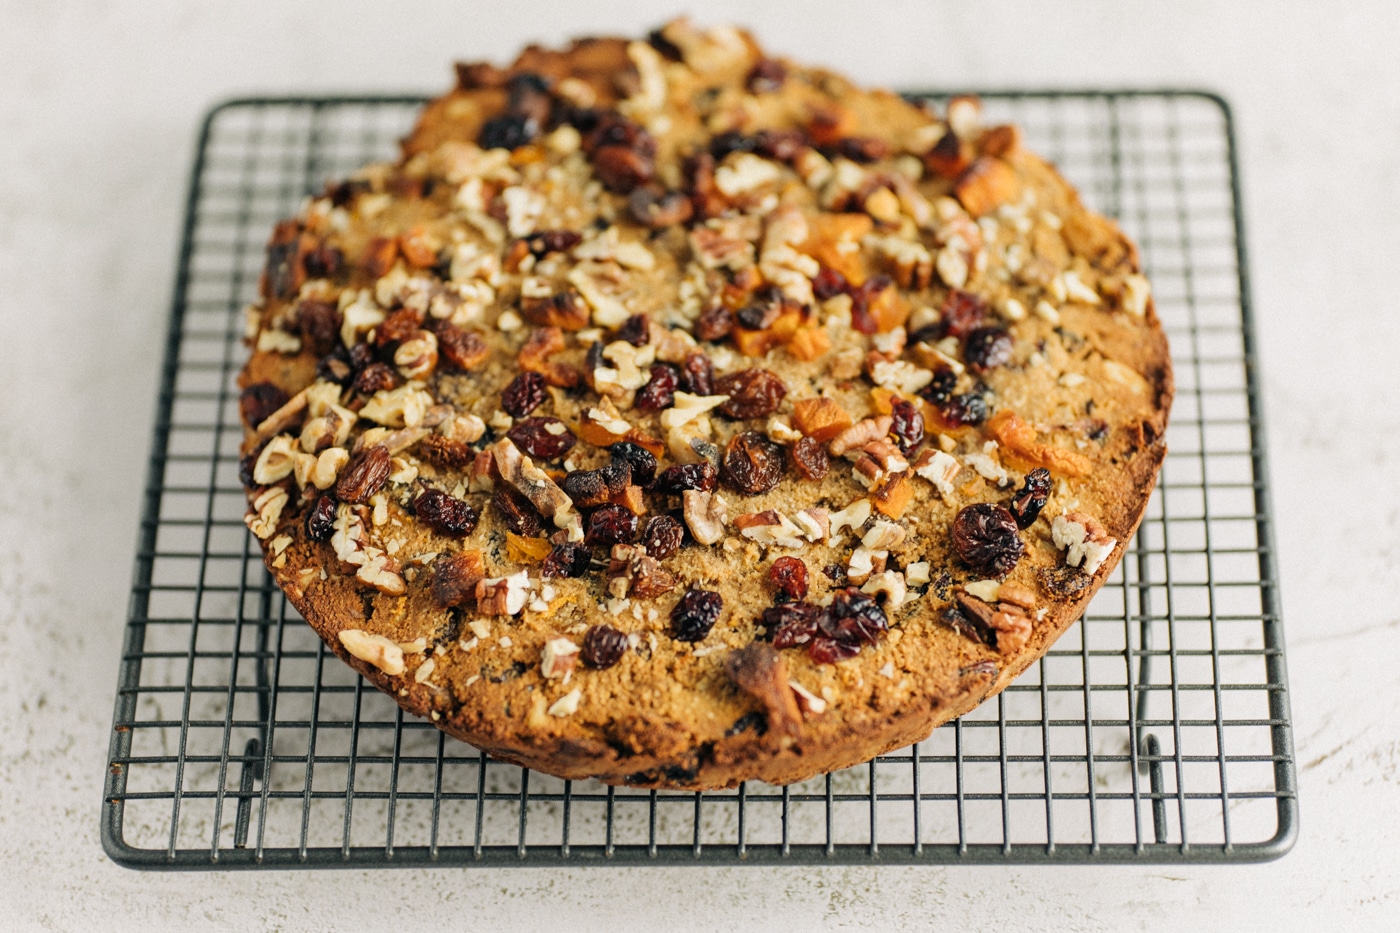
(714, 323)
(461, 349)
(789, 577)
(654, 208)
(985, 537)
(907, 425)
(610, 128)
(376, 377)
(621, 168)
(810, 459)
(603, 646)
(863, 149)
(364, 475)
(766, 76)
(524, 394)
(320, 520)
(258, 401)
(791, 624)
(543, 242)
(336, 367)
(662, 536)
(854, 618)
(753, 393)
(963, 312)
(324, 262)
(752, 463)
(319, 323)
(509, 131)
(987, 348)
(542, 438)
(940, 390)
(677, 479)
(695, 614)
(783, 145)
(1030, 499)
(826, 650)
(585, 488)
(636, 330)
(660, 391)
(762, 311)
(566, 560)
(455, 577)
(246, 466)
(829, 283)
(641, 460)
(698, 375)
(836, 573)
(609, 525)
(445, 452)
(967, 408)
(445, 514)
(518, 513)
(731, 141)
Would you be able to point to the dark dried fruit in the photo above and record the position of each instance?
(907, 424)
(566, 560)
(258, 401)
(1030, 499)
(967, 408)
(788, 575)
(376, 377)
(714, 323)
(621, 169)
(445, 452)
(792, 624)
(654, 208)
(336, 367)
(523, 395)
(320, 519)
(677, 479)
(319, 323)
(825, 650)
(543, 242)
(766, 76)
(963, 312)
(587, 489)
(565, 310)
(542, 438)
(603, 646)
(940, 390)
(609, 525)
(829, 283)
(862, 149)
(810, 458)
(636, 330)
(445, 514)
(753, 393)
(852, 621)
(399, 326)
(246, 466)
(455, 577)
(695, 614)
(762, 311)
(698, 375)
(660, 391)
(752, 463)
(986, 539)
(460, 349)
(364, 475)
(987, 348)
(863, 298)
(662, 536)
(641, 460)
(517, 512)
(324, 262)
(509, 131)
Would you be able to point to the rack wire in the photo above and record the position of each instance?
(1156, 730)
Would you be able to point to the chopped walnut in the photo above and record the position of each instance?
(557, 658)
(939, 469)
(860, 434)
(852, 516)
(883, 536)
(760, 671)
(705, 515)
(769, 528)
(284, 417)
(566, 705)
(1085, 542)
(687, 408)
(503, 596)
(275, 462)
(266, 512)
(1004, 627)
(807, 701)
(533, 483)
(813, 523)
(889, 582)
(417, 357)
(375, 650)
(632, 572)
(404, 407)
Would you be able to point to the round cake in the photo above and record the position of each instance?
(676, 415)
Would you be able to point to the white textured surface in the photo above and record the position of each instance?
(98, 105)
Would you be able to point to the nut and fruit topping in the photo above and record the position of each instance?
(1031, 497)
(695, 614)
(985, 537)
(603, 646)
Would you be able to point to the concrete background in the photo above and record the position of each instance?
(99, 102)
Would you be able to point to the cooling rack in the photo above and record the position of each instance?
(1156, 730)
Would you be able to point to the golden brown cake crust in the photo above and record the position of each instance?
(610, 219)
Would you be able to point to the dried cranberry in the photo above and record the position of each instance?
(445, 452)
(445, 514)
(609, 525)
(854, 618)
(364, 475)
(940, 389)
(621, 168)
(791, 624)
(677, 479)
(319, 323)
(636, 330)
(320, 520)
(695, 614)
(810, 459)
(698, 375)
(524, 394)
(518, 513)
(987, 348)
(603, 646)
(509, 131)
(642, 461)
(714, 323)
(752, 463)
(829, 283)
(907, 425)
(788, 575)
(376, 377)
(963, 312)
(753, 393)
(986, 538)
(258, 401)
(766, 76)
(1030, 499)
(542, 438)
(543, 242)
(566, 560)
(660, 391)
(662, 536)
(460, 349)
(827, 650)
(967, 408)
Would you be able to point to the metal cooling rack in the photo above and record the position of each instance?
(1157, 730)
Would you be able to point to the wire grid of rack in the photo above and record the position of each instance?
(1156, 730)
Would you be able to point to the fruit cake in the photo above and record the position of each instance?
(673, 414)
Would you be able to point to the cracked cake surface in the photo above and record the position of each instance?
(675, 415)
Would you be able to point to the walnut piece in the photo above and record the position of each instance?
(375, 650)
(705, 515)
(558, 657)
(760, 672)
